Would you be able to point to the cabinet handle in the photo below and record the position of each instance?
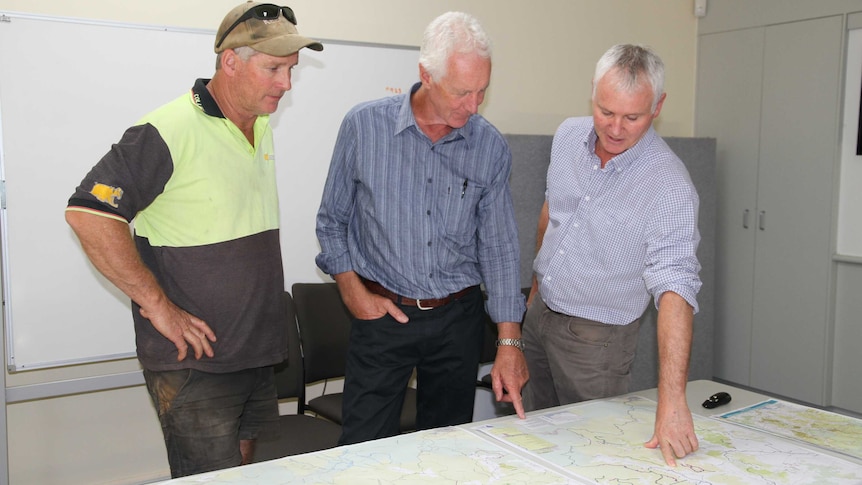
(761, 220)
(745, 218)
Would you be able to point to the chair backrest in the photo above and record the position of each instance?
(289, 379)
(324, 328)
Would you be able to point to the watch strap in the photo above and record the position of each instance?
(514, 342)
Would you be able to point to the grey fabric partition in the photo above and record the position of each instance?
(530, 159)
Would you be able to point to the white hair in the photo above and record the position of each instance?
(634, 64)
(450, 33)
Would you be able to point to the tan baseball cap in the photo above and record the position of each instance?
(264, 27)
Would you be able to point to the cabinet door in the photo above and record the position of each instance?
(798, 155)
(728, 109)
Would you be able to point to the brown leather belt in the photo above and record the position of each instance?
(378, 289)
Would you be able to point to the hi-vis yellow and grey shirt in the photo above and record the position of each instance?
(205, 211)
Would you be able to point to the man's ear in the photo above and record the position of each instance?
(424, 75)
(229, 61)
(659, 105)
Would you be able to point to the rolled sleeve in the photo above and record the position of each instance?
(672, 263)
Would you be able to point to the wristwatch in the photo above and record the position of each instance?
(514, 342)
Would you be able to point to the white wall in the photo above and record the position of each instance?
(543, 63)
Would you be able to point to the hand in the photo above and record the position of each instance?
(363, 304)
(510, 374)
(674, 432)
(372, 307)
(183, 329)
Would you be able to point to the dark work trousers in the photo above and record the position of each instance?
(442, 344)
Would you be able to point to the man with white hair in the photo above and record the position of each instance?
(618, 228)
(415, 215)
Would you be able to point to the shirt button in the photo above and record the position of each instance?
(428, 212)
(587, 198)
(429, 243)
(576, 225)
(429, 180)
(562, 251)
(595, 167)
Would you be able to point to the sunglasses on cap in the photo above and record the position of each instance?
(266, 11)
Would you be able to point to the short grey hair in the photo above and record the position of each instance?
(451, 33)
(244, 52)
(634, 64)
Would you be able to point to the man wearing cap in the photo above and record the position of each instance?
(203, 267)
(416, 213)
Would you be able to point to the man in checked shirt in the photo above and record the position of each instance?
(618, 228)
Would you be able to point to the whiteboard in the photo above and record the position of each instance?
(850, 197)
(68, 89)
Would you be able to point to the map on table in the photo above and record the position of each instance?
(442, 456)
(603, 442)
(832, 431)
(600, 442)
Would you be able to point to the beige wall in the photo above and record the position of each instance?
(543, 61)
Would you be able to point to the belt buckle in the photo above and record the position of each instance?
(419, 305)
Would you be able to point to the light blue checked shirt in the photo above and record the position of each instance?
(616, 235)
(424, 220)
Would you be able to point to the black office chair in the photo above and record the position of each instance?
(324, 327)
(294, 433)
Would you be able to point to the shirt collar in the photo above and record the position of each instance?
(628, 157)
(406, 119)
(204, 100)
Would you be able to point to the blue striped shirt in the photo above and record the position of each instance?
(423, 219)
(616, 235)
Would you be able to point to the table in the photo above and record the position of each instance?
(753, 439)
